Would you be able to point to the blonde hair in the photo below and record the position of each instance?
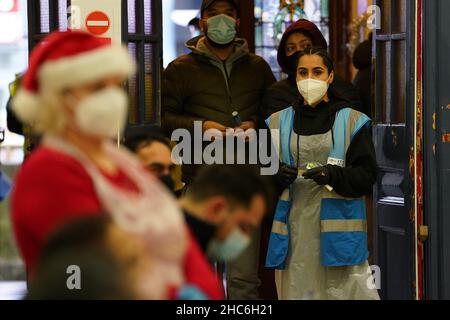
(50, 118)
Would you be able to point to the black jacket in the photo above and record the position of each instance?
(200, 87)
(202, 231)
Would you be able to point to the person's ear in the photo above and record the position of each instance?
(330, 81)
(215, 209)
(203, 25)
(238, 29)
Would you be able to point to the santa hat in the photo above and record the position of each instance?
(65, 60)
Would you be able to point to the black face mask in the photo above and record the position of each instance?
(168, 182)
(291, 63)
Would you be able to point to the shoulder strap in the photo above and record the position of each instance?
(347, 124)
(281, 125)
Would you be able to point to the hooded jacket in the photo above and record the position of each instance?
(284, 93)
(200, 87)
(306, 27)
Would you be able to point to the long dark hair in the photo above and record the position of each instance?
(328, 62)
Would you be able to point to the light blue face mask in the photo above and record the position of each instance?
(230, 248)
(221, 29)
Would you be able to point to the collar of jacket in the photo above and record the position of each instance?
(203, 231)
(319, 119)
(198, 46)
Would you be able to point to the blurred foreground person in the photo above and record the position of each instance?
(224, 207)
(92, 258)
(72, 94)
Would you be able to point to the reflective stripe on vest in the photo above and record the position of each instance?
(281, 125)
(280, 228)
(343, 226)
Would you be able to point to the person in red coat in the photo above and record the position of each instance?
(72, 94)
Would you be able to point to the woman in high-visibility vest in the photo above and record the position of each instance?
(318, 243)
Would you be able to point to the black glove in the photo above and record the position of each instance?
(286, 176)
(320, 175)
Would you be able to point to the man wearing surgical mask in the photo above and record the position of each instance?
(218, 80)
(223, 209)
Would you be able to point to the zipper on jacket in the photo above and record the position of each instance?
(227, 76)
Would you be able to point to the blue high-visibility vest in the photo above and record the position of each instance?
(343, 238)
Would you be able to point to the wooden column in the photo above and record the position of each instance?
(247, 16)
(340, 12)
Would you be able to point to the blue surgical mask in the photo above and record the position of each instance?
(231, 248)
(221, 29)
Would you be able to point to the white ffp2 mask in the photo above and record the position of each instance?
(102, 114)
(312, 90)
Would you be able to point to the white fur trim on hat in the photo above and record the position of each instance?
(85, 68)
(26, 106)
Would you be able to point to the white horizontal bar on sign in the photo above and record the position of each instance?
(98, 23)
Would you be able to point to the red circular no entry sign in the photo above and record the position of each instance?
(97, 23)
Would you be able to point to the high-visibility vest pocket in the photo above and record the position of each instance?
(279, 237)
(338, 249)
(343, 237)
(277, 251)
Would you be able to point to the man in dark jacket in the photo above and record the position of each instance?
(299, 36)
(213, 81)
(218, 79)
